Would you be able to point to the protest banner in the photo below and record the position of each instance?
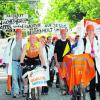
(80, 28)
(37, 77)
(10, 22)
(95, 23)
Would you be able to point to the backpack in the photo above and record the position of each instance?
(84, 41)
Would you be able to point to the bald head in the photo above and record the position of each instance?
(63, 32)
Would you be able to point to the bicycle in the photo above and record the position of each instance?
(34, 91)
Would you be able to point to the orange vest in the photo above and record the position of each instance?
(32, 52)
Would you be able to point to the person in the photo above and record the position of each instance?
(89, 44)
(45, 62)
(59, 53)
(12, 61)
(2, 34)
(32, 55)
(74, 46)
(50, 59)
(54, 40)
(8, 66)
(31, 58)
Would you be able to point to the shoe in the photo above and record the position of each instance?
(70, 92)
(42, 93)
(50, 85)
(99, 94)
(15, 96)
(24, 94)
(29, 99)
(8, 92)
(87, 90)
(64, 93)
(57, 86)
(45, 93)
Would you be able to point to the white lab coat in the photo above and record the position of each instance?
(80, 49)
(46, 63)
(50, 51)
(8, 54)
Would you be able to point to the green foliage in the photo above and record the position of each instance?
(17, 7)
(72, 11)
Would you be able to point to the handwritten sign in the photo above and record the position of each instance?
(37, 77)
(10, 22)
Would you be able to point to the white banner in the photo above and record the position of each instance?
(81, 30)
(10, 22)
(45, 28)
(36, 28)
(37, 77)
(21, 16)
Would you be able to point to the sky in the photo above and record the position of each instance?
(44, 10)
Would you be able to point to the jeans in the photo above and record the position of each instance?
(16, 77)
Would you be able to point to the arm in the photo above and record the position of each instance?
(42, 59)
(69, 46)
(80, 47)
(55, 55)
(23, 54)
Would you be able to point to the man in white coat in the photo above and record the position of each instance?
(91, 45)
(12, 60)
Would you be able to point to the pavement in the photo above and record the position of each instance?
(54, 93)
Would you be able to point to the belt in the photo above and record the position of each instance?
(16, 60)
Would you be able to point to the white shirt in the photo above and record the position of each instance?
(50, 51)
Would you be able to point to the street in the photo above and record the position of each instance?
(54, 93)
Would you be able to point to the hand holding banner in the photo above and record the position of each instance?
(37, 77)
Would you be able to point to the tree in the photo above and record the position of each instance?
(12, 7)
(72, 10)
(17, 7)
